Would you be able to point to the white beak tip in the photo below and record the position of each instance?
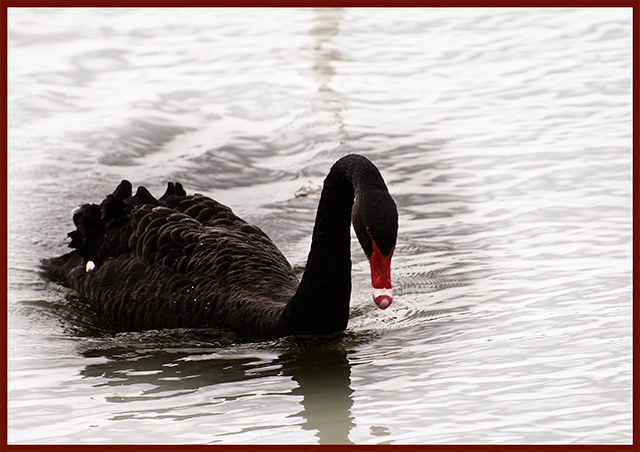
(382, 297)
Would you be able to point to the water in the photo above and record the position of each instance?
(504, 136)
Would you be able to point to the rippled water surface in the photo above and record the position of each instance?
(503, 135)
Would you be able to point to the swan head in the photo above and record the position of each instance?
(375, 220)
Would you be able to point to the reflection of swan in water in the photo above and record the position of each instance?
(324, 381)
(321, 371)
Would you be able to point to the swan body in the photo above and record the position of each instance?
(189, 261)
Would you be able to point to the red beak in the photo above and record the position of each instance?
(381, 277)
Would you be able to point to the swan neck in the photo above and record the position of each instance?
(321, 303)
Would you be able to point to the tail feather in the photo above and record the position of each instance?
(141, 197)
(101, 229)
(123, 191)
(173, 190)
(89, 225)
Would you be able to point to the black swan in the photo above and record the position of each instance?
(186, 261)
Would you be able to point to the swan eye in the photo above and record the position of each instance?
(368, 230)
